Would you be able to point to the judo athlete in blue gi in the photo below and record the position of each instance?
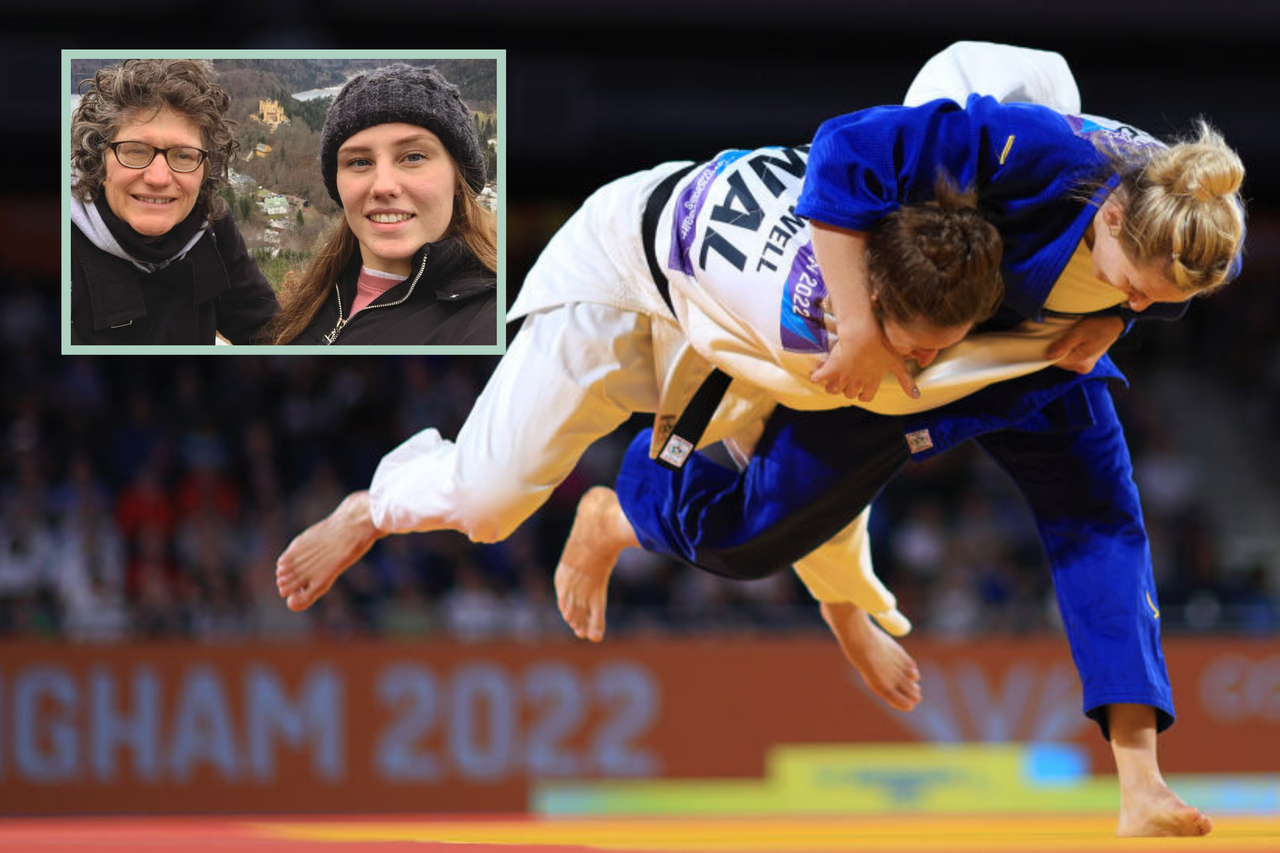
(1088, 217)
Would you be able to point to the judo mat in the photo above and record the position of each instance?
(519, 834)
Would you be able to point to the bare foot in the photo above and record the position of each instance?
(600, 532)
(884, 665)
(1156, 810)
(1147, 806)
(318, 555)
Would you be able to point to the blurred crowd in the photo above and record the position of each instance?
(144, 498)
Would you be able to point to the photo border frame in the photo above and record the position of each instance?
(497, 348)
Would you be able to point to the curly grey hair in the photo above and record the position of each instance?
(116, 95)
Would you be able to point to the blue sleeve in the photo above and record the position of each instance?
(1160, 311)
(866, 164)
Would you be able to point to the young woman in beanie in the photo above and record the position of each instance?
(413, 260)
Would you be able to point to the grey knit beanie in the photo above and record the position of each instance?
(402, 93)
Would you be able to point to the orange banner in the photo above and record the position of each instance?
(382, 727)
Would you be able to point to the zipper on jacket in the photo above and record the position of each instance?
(343, 321)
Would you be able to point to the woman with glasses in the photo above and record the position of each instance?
(155, 255)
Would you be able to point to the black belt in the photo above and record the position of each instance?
(693, 421)
(649, 228)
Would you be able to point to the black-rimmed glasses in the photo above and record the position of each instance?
(138, 155)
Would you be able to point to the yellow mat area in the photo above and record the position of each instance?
(759, 835)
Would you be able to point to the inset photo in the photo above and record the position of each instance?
(243, 201)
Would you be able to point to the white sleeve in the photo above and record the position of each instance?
(1008, 73)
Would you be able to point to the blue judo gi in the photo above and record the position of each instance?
(1056, 433)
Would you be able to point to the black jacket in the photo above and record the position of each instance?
(448, 299)
(216, 287)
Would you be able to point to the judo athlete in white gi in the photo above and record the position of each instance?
(598, 345)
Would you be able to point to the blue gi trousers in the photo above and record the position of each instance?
(1059, 439)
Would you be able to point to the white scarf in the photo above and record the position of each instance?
(89, 221)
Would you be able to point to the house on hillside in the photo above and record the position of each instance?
(276, 205)
(262, 149)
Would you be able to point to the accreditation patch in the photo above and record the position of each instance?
(675, 452)
(919, 441)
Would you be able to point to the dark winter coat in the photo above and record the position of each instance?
(448, 299)
(216, 287)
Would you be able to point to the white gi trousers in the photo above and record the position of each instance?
(580, 366)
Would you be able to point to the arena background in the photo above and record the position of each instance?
(147, 667)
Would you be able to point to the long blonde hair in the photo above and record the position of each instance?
(302, 295)
(1182, 208)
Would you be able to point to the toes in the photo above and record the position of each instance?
(572, 615)
(304, 594)
(907, 698)
(898, 701)
(595, 607)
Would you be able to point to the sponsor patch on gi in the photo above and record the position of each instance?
(803, 326)
(1112, 135)
(688, 205)
(676, 451)
(919, 441)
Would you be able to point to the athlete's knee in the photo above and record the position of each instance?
(490, 509)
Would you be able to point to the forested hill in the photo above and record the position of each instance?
(251, 78)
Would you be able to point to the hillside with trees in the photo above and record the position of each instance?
(476, 78)
(290, 168)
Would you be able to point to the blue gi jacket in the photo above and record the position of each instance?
(1033, 169)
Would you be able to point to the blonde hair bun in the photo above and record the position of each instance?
(1205, 168)
(1182, 205)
